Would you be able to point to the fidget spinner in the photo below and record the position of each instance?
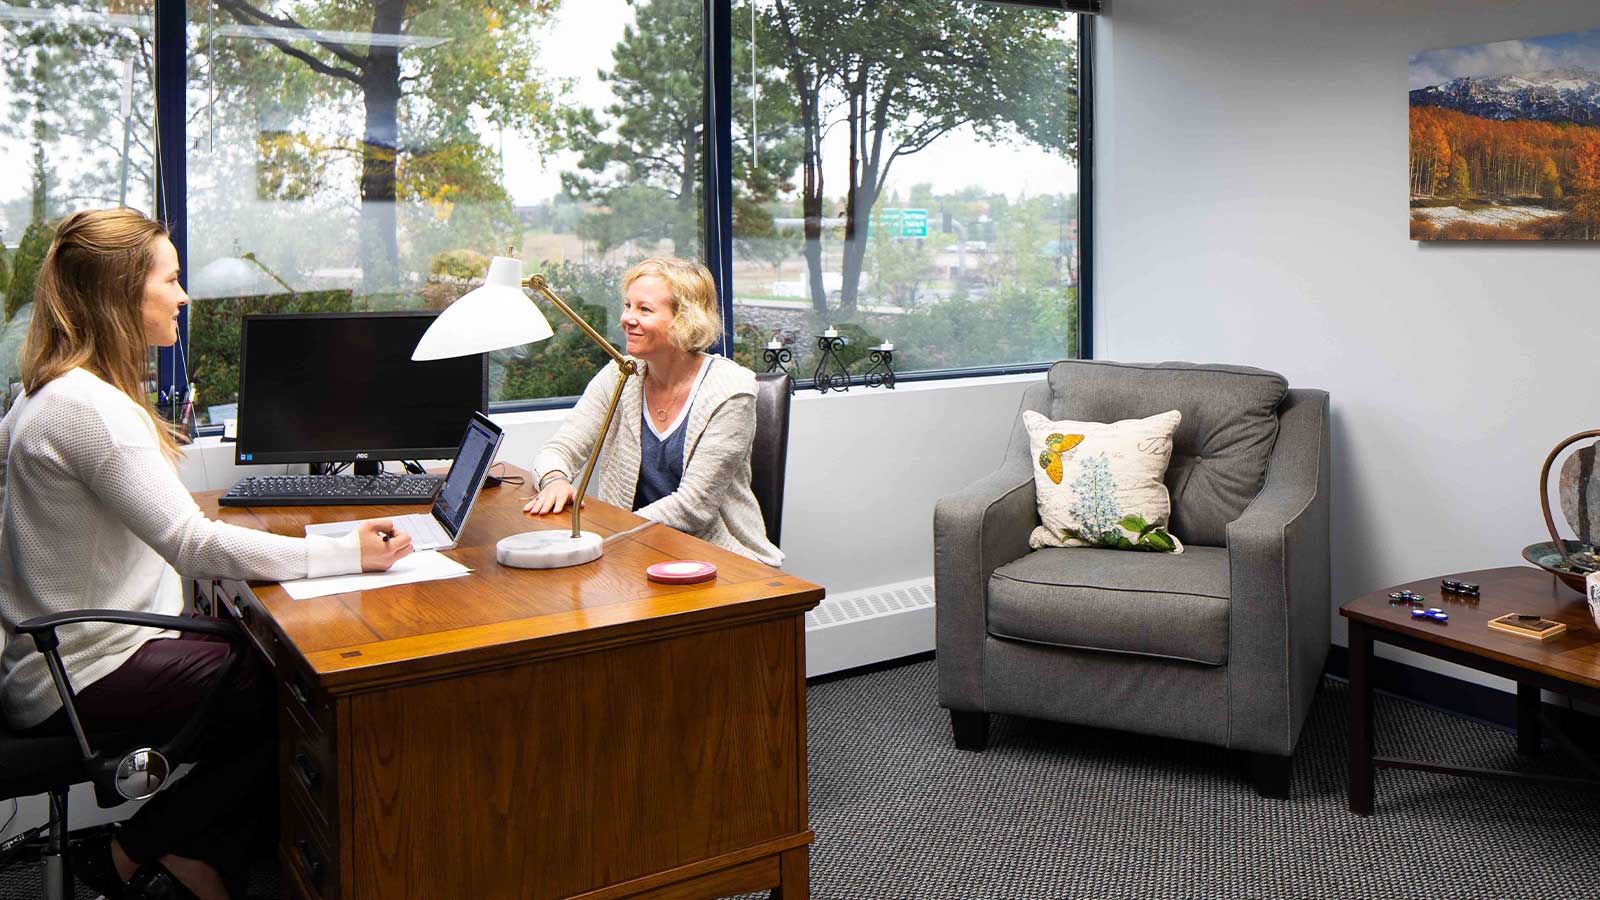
(1411, 597)
(1459, 588)
(1434, 613)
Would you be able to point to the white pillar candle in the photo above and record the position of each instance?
(774, 344)
(832, 332)
(887, 345)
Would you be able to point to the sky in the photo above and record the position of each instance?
(1578, 48)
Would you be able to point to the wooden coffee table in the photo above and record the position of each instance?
(1568, 663)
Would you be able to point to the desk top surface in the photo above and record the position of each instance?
(1573, 655)
(366, 638)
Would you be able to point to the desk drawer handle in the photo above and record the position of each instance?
(300, 691)
(307, 770)
(310, 857)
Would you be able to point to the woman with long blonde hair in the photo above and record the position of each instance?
(92, 514)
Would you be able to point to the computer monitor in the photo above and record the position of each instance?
(341, 387)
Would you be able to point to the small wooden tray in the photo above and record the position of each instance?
(1508, 624)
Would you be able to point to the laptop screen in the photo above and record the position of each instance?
(476, 454)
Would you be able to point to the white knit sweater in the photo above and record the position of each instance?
(93, 516)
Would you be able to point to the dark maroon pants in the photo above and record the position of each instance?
(223, 810)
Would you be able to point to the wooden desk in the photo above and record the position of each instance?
(1568, 663)
(576, 732)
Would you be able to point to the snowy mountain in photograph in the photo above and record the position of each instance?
(1569, 94)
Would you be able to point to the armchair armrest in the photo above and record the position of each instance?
(1278, 622)
(975, 531)
(101, 767)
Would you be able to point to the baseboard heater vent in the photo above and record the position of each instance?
(871, 625)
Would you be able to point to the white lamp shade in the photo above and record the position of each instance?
(230, 276)
(492, 317)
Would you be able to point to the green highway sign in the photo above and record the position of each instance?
(903, 223)
(913, 223)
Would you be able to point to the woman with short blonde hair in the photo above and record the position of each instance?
(679, 448)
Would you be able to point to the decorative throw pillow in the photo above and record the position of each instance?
(1099, 485)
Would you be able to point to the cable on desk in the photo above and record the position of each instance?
(506, 479)
(622, 534)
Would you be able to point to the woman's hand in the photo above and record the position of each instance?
(552, 499)
(381, 545)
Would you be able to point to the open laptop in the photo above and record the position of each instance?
(441, 528)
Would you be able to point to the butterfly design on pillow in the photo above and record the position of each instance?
(1056, 447)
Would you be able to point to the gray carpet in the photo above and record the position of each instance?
(1053, 811)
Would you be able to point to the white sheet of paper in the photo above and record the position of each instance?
(428, 565)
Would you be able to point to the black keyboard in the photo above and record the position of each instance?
(331, 490)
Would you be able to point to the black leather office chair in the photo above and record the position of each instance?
(125, 767)
(769, 454)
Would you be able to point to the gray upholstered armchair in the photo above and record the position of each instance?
(1223, 643)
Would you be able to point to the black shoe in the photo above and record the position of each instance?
(154, 882)
(92, 865)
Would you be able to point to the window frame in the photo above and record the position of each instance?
(171, 61)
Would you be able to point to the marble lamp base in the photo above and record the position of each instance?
(548, 549)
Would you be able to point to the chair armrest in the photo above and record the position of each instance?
(1278, 622)
(975, 531)
(43, 628)
(100, 767)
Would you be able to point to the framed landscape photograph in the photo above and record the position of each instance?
(1505, 140)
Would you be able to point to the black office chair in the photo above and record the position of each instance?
(126, 767)
(769, 453)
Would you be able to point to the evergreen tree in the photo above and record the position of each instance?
(643, 160)
(25, 268)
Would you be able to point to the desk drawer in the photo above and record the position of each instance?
(305, 850)
(236, 599)
(309, 767)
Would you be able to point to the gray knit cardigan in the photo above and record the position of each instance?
(713, 501)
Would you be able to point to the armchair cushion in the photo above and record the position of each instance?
(1149, 604)
(1220, 451)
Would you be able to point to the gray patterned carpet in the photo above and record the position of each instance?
(1051, 811)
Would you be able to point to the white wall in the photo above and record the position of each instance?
(1252, 209)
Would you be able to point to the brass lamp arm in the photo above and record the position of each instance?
(537, 283)
(626, 366)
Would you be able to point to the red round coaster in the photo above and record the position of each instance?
(681, 571)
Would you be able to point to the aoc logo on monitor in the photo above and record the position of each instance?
(362, 455)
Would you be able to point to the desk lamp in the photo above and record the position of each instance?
(499, 315)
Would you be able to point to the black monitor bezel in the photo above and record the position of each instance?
(376, 454)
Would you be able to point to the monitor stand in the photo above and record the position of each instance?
(366, 467)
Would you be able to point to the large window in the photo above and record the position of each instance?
(77, 120)
(907, 173)
(375, 154)
(903, 171)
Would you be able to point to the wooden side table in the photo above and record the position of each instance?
(1568, 663)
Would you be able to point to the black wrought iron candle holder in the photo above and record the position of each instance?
(780, 359)
(831, 375)
(881, 372)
